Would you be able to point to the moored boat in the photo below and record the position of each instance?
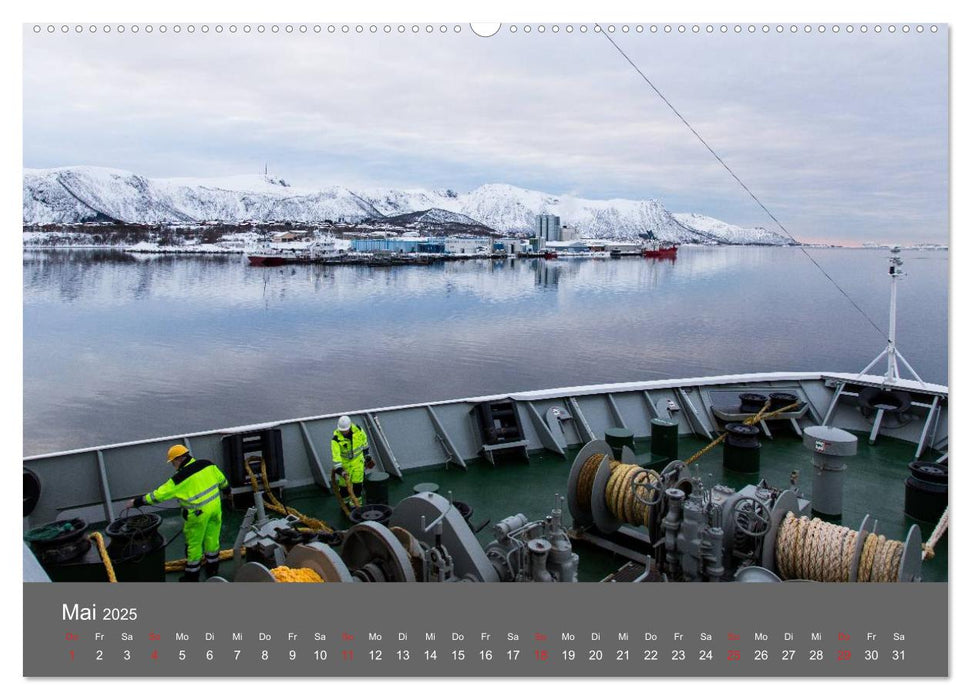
(660, 252)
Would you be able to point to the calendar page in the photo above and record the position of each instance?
(619, 347)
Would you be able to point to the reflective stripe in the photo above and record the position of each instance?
(213, 497)
(191, 566)
(193, 499)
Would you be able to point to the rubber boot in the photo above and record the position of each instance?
(190, 577)
(212, 569)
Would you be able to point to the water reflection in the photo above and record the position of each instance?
(131, 346)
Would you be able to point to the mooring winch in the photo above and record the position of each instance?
(693, 533)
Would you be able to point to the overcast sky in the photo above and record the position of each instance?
(844, 137)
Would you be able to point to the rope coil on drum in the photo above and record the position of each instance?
(629, 493)
(286, 574)
(815, 550)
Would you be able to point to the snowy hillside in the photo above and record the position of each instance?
(78, 194)
(702, 223)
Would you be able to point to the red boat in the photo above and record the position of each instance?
(668, 252)
(550, 255)
(266, 260)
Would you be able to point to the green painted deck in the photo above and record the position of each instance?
(874, 484)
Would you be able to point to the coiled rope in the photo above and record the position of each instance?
(819, 551)
(624, 482)
(99, 542)
(284, 574)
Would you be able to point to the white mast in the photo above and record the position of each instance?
(892, 375)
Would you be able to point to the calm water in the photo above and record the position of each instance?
(120, 347)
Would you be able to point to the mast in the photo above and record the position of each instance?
(892, 375)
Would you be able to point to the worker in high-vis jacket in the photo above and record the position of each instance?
(197, 485)
(351, 455)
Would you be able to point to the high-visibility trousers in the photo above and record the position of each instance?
(202, 532)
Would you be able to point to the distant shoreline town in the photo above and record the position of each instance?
(105, 208)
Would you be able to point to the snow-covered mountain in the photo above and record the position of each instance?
(709, 226)
(78, 194)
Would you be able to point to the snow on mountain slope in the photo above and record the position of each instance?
(75, 194)
(46, 201)
(758, 235)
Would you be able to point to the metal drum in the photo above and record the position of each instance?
(925, 496)
(743, 450)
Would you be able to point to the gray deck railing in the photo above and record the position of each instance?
(92, 482)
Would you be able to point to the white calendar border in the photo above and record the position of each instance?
(496, 10)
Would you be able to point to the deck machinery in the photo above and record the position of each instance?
(694, 533)
(427, 539)
(668, 523)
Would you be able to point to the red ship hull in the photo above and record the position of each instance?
(266, 261)
(662, 252)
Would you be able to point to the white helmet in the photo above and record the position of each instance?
(344, 423)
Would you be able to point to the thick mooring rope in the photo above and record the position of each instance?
(751, 420)
(936, 536)
(179, 564)
(99, 542)
(625, 480)
(819, 551)
(274, 504)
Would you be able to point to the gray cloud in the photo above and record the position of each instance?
(843, 137)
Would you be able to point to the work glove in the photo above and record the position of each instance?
(369, 464)
(340, 472)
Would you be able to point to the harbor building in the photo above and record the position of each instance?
(548, 228)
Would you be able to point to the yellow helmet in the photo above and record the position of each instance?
(177, 451)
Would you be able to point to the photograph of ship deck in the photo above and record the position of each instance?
(494, 488)
(604, 311)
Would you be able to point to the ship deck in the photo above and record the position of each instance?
(874, 485)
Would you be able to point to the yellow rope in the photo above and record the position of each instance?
(751, 420)
(273, 503)
(585, 480)
(820, 551)
(624, 481)
(335, 487)
(99, 542)
(284, 574)
(179, 564)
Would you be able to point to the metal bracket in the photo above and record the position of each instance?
(451, 453)
(876, 426)
(651, 408)
(580, 421)
(812, 409)
(545, 434)
(320, 476)
(105, 489)
(554, 418)
(615, 411)
(381, 443)
(832, 404)
(693, 412)
(927, 424)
